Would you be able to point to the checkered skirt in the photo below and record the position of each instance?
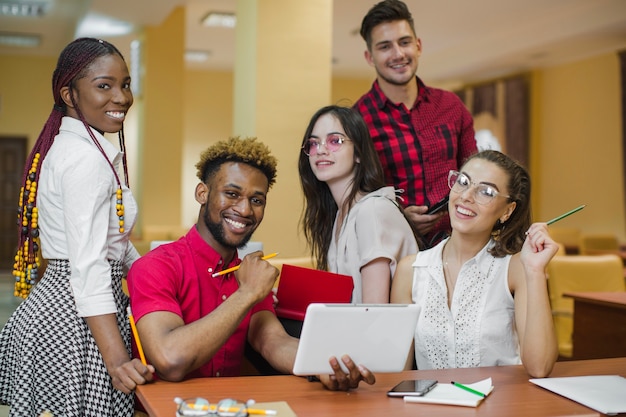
(49, 359)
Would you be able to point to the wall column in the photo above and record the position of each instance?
(282, 76)
(162, 138)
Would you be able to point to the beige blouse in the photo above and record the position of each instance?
(374, 228)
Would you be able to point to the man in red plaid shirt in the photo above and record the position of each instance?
(420, 132)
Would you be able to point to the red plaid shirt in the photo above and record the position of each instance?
(418, 147)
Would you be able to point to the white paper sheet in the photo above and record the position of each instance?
(603, 393)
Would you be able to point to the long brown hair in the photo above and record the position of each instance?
(512, 233)
(320, 208)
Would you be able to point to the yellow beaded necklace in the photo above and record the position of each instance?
(27, 260)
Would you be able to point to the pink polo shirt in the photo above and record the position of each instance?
(176, 277)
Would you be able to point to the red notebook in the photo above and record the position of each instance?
(298, 287)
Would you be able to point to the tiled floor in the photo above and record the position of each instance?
(8, 303)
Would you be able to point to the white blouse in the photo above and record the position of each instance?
(78, 221)
(479, 327)
(374, 228)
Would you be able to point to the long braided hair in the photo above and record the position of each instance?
(72, 65)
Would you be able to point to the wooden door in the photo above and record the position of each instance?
(12, 157)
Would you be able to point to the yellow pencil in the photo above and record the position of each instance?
(212, 407)
(233, 410)
(234, 268)
(136, 335)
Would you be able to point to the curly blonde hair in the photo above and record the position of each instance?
(235, 149)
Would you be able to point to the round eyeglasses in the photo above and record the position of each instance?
(483, 193)
(199, 407)
(333, 143)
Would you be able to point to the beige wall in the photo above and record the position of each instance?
(162, 133)
(575, 145)
(285, 93)
(208, 118)
(346, 91)
(25, 95)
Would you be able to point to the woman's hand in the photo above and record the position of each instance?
(538, 248)
(128, 375)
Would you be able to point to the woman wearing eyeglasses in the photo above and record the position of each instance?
(351, 220)
(483, 291)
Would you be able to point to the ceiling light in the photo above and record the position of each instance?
(22, 9)
(197, 56)
(96, 25)
(21, 40)
(219, 19)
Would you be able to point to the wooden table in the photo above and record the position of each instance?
(599, 324)
(512, 396)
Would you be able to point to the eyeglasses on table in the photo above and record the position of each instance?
(228, 407)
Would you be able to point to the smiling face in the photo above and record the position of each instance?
(329, 166)
(233, 204)
(394, 53)
(466, 215)
(102, 94)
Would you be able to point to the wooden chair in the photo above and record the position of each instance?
(579, 273)
(598, 243)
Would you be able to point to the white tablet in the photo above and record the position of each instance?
(377, 336)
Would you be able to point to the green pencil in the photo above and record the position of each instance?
(564, 215)
(468, 389)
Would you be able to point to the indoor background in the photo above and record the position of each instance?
(286, 62)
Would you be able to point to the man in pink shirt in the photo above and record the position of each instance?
(194, 324)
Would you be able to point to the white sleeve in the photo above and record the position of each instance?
(88, 190)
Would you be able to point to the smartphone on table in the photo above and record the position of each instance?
(439, 205)
(412, 387)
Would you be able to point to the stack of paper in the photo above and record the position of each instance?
(452, 395)
(603, 393)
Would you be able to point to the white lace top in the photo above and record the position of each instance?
(479, 328)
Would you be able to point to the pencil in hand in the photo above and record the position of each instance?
(564, 215)
(133, 327)
(234, 268)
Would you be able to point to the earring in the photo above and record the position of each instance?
(497, 230)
